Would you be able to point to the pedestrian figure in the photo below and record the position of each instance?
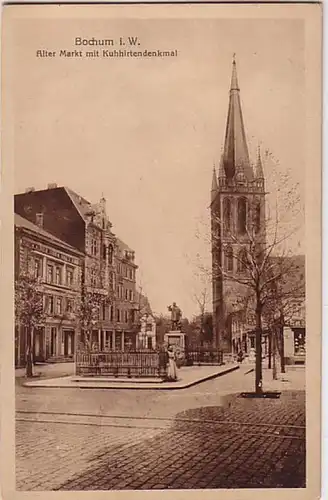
(240, 356)
(172, 367)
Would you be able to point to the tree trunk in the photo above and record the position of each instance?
(274, 357)
(270, 349)
(29, 352)
(258, 352)
(282, 351)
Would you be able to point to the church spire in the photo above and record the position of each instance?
(214, 184)
(235, 153)
(259, 168)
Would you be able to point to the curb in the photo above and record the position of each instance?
(138, 388)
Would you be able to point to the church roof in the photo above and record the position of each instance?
(235, 152)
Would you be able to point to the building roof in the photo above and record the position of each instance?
(123, 246)
(235, 152)
(82, 205)
(23, 223)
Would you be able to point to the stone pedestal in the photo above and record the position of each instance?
(176, 338)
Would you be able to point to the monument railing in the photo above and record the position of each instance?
(198, 355)
(132, 364)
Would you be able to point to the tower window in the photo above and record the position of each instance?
(227, 213)
(229, 259)
(242, 260)
(242, 209)
(110, 254)
(257, 217)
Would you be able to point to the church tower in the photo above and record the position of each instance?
(237, 213)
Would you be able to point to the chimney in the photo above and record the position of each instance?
(52, 185)
(39, 219)
(30, 189)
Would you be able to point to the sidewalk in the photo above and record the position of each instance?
(46, 371)
(187, 377)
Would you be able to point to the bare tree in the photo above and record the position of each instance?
(29, 312)
(262, 257)
(201, 299)
(89, 312)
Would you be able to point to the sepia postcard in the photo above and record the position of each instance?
(161, 251)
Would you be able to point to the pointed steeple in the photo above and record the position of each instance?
(235, 153)
(259, 168)
(221, 168)
(234, 79)
(214, 184)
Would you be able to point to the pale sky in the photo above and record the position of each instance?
(145, 132)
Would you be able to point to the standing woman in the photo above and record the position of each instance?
(172, 368)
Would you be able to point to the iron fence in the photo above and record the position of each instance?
(132, 364)
(203, 356)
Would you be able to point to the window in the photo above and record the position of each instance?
(37, 271)
(59, 305)
(126, 316)
(50, 307)
(104, 252)
(58, 275)
(69, 305)
(110, 254)
(227, 213)
(93, 278)
(242, 260)
(126, 294)
(229, 259)
(103, 308)
(111, 313)
(130, 295)
(257, 217)
(118, 316)
(69, 276)
(242, 216)
(50, 273)
(94, 247)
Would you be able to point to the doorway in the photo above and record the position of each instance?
(53, 341)
(69, 337)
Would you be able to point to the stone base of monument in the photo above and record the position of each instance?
(175, 338)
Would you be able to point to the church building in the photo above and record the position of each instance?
(237, 208)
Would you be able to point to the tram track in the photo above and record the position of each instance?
(178, 424)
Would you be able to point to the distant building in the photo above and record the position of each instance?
(147, 324)
(109, 264)
(58, 266)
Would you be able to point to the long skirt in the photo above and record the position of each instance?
(172, 370)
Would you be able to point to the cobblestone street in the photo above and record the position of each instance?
(194, 438)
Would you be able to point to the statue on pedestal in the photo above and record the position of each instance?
(175, 317)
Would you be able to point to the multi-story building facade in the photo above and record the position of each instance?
(58, 267)
(109, 267)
